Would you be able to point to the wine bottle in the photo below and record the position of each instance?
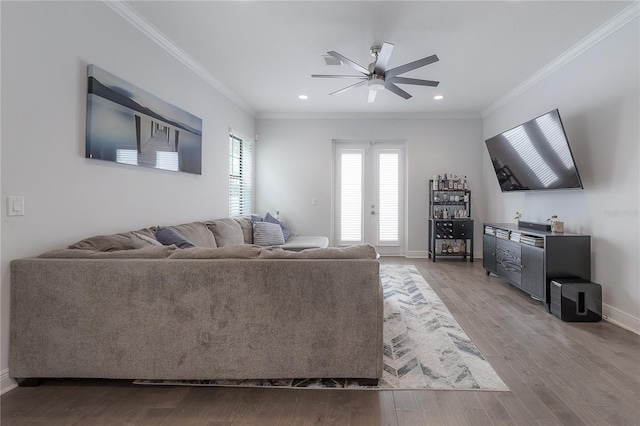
(463, 247)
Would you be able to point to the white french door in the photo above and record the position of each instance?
(369, 195)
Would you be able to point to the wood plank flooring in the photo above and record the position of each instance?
(559, 374)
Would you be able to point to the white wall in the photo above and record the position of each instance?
(45, 50)
(295, 165)
(598, 97)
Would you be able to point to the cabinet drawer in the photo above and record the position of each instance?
(462, 229)
(508, 249)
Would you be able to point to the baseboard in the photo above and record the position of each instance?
(6, 382)
(621, 319)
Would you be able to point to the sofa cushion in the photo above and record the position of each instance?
(149, 252)
(286, 231)
(247, 228)
(113, 242)
(359, 251)
(237, 251)
(197, 232)
(140, 241)
(226, 231)
(267, 234)
(168, 236)
(303, 242)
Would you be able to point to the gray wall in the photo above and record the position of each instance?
(45, 50)
(597, 95)
(295, 165)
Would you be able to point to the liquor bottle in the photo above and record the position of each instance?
(456, 248)
(465, 185)
(455, 183)
(444, 248)
(463, 247)
(449, 249)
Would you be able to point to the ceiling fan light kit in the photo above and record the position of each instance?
(377, 76)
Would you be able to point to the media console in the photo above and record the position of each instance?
(530, 259)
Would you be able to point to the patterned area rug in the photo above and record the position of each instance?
(424, 346)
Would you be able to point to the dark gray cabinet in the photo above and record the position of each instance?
(489, 253)
(530, 259)
(533, 271)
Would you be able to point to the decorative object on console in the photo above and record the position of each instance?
(130, 126)
(556, 226)
(517, 217)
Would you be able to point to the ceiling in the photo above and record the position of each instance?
(262, 54)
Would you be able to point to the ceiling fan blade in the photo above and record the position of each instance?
(359, 77)
(404, 80)
(383, 58)
(360, 83)
(372, 96)
(349, 62)
(395, 89)
(411, 66)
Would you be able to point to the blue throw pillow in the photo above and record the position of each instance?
(255, 219)
(168, 236)
(286, 231)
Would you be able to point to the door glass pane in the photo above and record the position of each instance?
(351, 196)
(389, 195)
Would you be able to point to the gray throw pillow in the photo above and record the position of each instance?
(168, 236)
(267, 234)
(286, 231)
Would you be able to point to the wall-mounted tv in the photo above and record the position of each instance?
(534, 156)
(130, 126)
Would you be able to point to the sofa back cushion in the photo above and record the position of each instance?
(198, 233)
(247, 228)
(114, 242)
(226, 232)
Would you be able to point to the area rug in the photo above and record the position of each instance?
(424, 346)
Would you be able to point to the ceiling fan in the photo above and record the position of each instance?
(377, 77)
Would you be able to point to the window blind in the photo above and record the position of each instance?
(240, 176)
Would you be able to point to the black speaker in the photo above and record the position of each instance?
(576, 300)
(535, 226)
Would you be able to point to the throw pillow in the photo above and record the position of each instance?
(267, 234)
(256, 218)
(168, 236)
(141, 241)
(286, 231)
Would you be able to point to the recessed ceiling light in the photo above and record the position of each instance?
(438, 97)
(303, 97)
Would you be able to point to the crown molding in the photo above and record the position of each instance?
(145, 27)
(611, 26)
(366, 116)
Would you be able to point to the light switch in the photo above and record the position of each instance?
(15, 205)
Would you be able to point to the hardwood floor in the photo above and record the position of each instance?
(558, 373)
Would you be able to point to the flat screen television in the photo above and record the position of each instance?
(534, 156)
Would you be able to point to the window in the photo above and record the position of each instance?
(240, 176)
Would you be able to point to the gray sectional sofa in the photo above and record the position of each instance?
(104, 309)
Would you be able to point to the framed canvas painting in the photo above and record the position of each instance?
(130, 126)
